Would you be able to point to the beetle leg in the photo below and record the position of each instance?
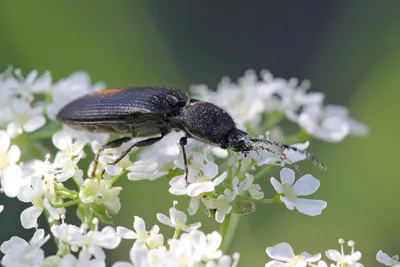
(111, 144)
(183, 143)
(142, 143)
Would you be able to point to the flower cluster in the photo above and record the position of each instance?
(284, 256)
(41, 163)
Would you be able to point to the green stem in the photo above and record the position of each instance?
(264, 200)
(263, 172)
(115, 178)
(177, 233)
(67, 204)
(67, 193)
(228, 231)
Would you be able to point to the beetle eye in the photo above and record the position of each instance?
(173, 100)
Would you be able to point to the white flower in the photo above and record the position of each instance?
(330, 123)
(305, 186)
(8, 154)
(83, 260)
(18, 252)
(34, 194)
(65, 232)
(247, 185)
(1, 208)
(68, 144)
(64, 91)
(201, 180)
(221, 204)
(147, 169)
(177, 219)
(11, 175)
(384, 258)
(25, 118)
(94, 241)
(343, 259)
(292, 96)
(142, 257)
(91, 190)
(150, 239)
(283, 256)
(31, 84)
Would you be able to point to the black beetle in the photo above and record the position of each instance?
(148, 111)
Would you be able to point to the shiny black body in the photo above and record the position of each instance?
(149, 111)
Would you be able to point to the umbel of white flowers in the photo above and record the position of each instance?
(220, 181)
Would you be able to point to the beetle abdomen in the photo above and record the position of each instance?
(122, 104)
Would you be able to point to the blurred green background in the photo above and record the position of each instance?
(350, 50)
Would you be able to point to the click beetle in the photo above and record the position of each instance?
(149, 111)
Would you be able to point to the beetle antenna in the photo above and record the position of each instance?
(317, 162)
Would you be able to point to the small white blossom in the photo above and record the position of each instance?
(221, 204)
(384, 258)
(283, 256)
(343, 259)
(289, 192)
(177, 219)
(330, 123)
(34, 194)
(25, 118)
(150, 239)
(143, 257)
(84, 260)
(18, 252)
(94, 241)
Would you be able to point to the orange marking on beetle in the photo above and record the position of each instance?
(109, 91)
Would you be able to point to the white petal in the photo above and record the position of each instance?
(164, 219)
(384, 258)
(14, 129)
(139, 225)
(306, 185)
(126, 233)
(287, 176)
(14, 153)
(282, 251)
(12, 180)
(289, 204)
(311, 258)
(113, 170)
(62, 140)
(310, 207)
(220, 178)
(34, 123)
(210, 169)
(177, 216)
(220, 215)
(333, 255)
(358, 128)
(29, 217)
(193, 205)
(25, 194)
(276, 264)
(196, 189)
(4, 141)
(277, 185)
(122, 264)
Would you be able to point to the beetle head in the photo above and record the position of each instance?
(240, 141)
